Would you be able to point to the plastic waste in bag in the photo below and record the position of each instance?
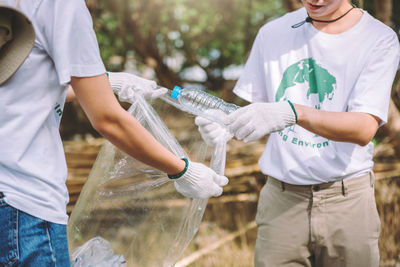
(97, 252)
(134, 208)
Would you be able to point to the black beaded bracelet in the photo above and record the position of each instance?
(179, 175)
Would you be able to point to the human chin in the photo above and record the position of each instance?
(314, 8)
(324, 9)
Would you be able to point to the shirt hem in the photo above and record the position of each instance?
(50, 216)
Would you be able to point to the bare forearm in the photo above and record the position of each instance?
(353, 127)
(132, 138)
(119, 127)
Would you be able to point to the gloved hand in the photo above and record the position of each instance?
(212, 132)
(199, 181)
(259, 119)
(127, 86)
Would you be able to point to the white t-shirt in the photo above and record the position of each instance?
(32, 162)
(352, 71)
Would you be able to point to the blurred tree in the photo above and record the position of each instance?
(175, 42)
(293, 4)
(189, 41)
(383, 10)
(388, 11)
(174, 36)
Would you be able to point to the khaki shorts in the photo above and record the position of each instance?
(330, 224)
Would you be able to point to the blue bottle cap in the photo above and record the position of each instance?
(176, 92)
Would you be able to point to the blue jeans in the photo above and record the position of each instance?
(29, 241)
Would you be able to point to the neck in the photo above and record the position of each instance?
(339, 21)
(331, 12)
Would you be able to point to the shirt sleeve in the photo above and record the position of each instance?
(251, 85)
(70, 39)
(371, 93)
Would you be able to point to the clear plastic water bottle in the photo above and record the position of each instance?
(97, 252)
(200, 103)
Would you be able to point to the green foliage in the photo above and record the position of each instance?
(212, 34)
(375, 141)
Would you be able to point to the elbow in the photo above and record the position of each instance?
(366, 136)
(100, 127)
(112, 125)
(368, 130)
(363, 142)
(103, 125)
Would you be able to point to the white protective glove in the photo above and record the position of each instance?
(256, 120)
(199, 181)
(127, 86)
(212, 132)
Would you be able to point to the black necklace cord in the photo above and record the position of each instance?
(310, 19)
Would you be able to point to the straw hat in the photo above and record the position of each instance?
(17, 38)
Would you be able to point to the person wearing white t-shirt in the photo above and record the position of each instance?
(33, 171)
(319, 81)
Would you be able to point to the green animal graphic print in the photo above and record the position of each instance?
(320, 81)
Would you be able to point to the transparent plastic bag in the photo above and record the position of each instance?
(97, 252)
(134, 210)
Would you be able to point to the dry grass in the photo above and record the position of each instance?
(237, 253)
(388, 202)
(220, 217)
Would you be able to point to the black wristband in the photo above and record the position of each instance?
(179, 175)
(294, 110)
